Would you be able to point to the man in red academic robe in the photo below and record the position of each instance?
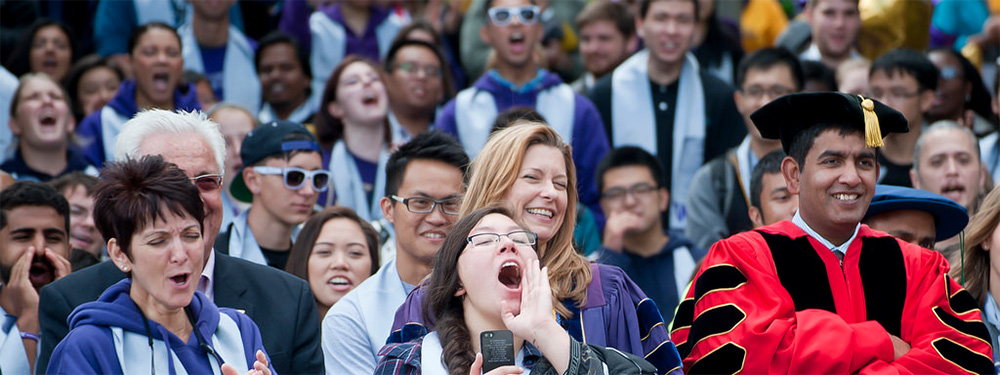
(822, 293)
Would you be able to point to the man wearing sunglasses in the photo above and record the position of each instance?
(281, 178)
(659, 99)
(422, 194)
(513, 30)
(282, 305)
(633, 197)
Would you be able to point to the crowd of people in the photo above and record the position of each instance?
(617, 187)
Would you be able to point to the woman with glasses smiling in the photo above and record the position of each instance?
(281, 178)
(488, 281)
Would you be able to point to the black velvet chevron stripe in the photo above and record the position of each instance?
(684, 315)
(723, 276)
(715, 321)
(801, 271)
(963, 357)
(727, 359)
(974, 329)
(961, 302)
(883, 275)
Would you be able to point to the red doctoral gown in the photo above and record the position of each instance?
(774, 300)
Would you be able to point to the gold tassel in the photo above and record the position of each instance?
(873, 133)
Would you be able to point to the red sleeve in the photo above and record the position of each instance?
(941, 322)
(739, 318)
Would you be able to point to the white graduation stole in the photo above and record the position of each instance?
(134, 352)
(111, 125)
(239, 77)
(475, 112)
(634, 122)
(349, 186)
(329, 44)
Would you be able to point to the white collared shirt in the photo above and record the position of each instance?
(205, 283)
(842, 248)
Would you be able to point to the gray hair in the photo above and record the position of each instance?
(153, 121)
(941, 125)
(220, 106)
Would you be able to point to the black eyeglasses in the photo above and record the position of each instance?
(413, 68)
(519, 237)
(421, 205)
(503, 16)
(207, 182)
(295, 178)
(637, 190)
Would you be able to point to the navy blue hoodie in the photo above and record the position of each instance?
(90, 349)
(123, 103)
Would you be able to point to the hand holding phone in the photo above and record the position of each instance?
(497, 348)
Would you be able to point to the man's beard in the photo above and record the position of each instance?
(40, 273)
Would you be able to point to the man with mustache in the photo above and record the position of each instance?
(34, 245)
(823, 293)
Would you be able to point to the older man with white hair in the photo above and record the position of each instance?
(281, 304)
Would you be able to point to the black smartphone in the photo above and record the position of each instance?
(497, 348)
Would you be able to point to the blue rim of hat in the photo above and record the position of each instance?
(950, 218)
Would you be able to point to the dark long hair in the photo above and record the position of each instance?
(19, 62)
(298, 258)
(440, 302)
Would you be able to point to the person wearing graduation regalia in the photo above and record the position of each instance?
(822, 293)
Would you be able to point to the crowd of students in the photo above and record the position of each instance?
(567, 162)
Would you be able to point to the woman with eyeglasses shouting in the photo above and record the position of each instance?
(528, 166)
(489, 289)
(353, 128)
(154, 321)
(281, 178)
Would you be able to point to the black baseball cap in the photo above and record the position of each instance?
(268, 140)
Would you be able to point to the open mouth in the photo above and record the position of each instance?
(546, 213)
(161, 81)
(339, 281)
(369, 99)
(510, 275)
(41, 271)
(517, 41)
(434, 236)
(181, 279)
(277, 88)
(846, 197)
(953, 191)
(48, 120)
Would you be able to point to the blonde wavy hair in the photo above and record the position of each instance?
(494, 172)
(977, 258)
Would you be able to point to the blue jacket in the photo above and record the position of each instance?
(90, 349)
(123, 105)
(586, 134)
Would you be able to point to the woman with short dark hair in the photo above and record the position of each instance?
(154, 321)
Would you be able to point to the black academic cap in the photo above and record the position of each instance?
(788, 115)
